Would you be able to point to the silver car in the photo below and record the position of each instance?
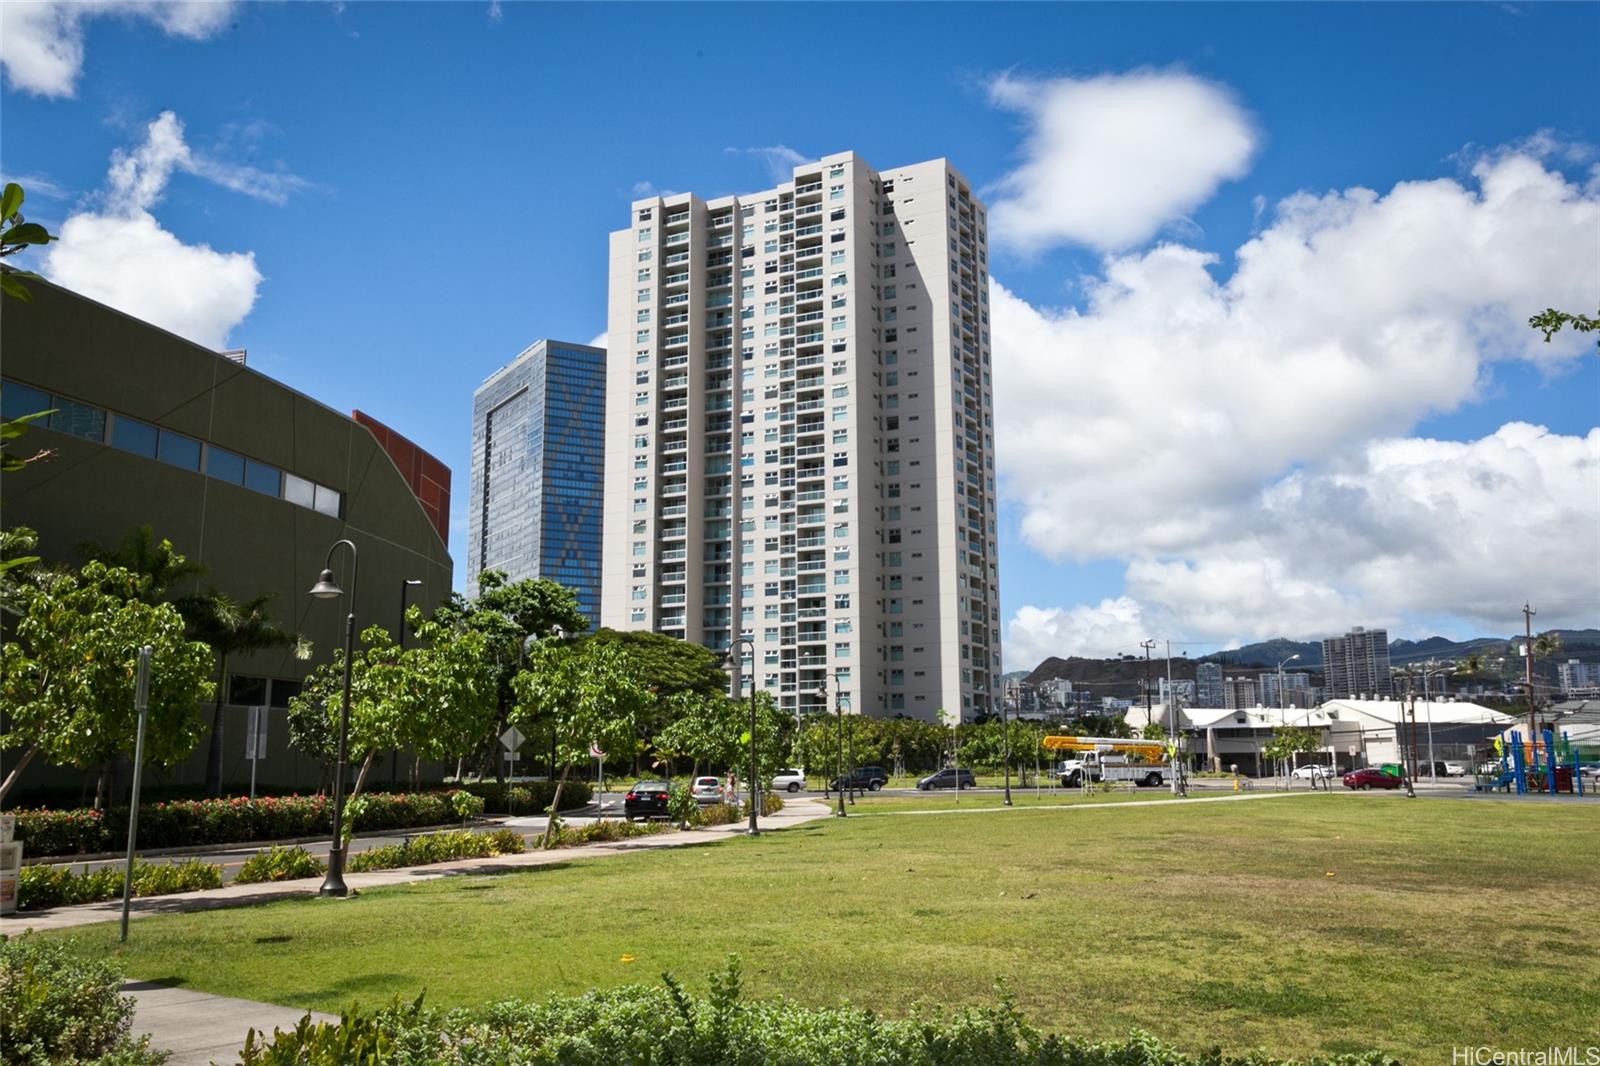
(708, 790)
(793, 780)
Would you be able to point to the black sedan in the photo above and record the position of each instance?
(948, 778)
(646, 799)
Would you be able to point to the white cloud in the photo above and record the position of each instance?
(41, 44)
(780, 160)
(600, 340)
(1234, 442)
(1111, 160)
(121, 255)
(1112, 627)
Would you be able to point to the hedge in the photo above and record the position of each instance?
(652, 1026)
(60, 1006)
(41, 887)
(185, 823)
(438, 847)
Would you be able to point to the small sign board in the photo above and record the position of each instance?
(255, 734)
(8, 828)
(10, 875)
(512, 738)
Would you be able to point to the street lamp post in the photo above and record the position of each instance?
(327, 589)
(1290, 659)
(1005, 735)
(838, 706)
(405, 587)
(753, 788)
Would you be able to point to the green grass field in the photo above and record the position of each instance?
(1296, 925)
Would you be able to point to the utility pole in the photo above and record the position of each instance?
(1147, 645)
(1527, 654)
(1172, 725)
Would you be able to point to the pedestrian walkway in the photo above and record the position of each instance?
(1091, 806)
(199, 1029)
(795, 812)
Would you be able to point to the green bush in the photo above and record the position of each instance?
(438, 847)
(682, 807)
(771, 803)
(41, 887)
(465, 804)
(280, 864)
(63, 1007)
(721, 814)
(648, 1026)
(607, 831)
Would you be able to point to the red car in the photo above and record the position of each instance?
(1370, 778)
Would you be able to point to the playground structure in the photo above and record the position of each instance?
(1521, 766)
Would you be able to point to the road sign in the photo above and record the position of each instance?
(255, 734)
(512, 738)
(595, 752)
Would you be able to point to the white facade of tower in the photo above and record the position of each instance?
(800, 438)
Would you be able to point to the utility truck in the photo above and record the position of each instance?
(1109, 759)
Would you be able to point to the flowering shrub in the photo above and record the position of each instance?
(184, 823)
(604, 832)
(528, 797)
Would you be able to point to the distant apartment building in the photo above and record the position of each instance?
(800, 435)
(1056, 692)
(537, 470)
(1356, 665)
(1296, 691)
(1187, 691)
(1240, 692)
(1208, 685)
(1574, 675)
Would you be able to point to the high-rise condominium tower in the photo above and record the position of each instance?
(1357, 664)
(536, 473)
(799, 435)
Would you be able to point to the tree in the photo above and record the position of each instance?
(17, 235)
(231, 628)
(585, 692)
(156, 563)
(508, 614)
(702, 728)
(1550, 321)
(1291, 740)
(436, 699)
(69, 671)
(10, 430)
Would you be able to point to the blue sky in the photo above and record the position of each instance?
(427, 188)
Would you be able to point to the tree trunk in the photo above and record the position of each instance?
(361, 778)
(555, 805)
(100, 789)
(213, 786)
(16, 771)
(416, 773)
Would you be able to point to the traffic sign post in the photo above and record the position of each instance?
(600, 776)
(511, 740)
(255, 743)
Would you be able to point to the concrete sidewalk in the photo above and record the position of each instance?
(199, 1029)
(795, 812)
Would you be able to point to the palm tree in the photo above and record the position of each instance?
(230, 628)
(158, 565)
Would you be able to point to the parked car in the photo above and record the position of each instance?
(1455, 769)
(1315, 770)
(869, 778)
(789, 780)
(707, 790)
(1370, 778)
(646, 799)
(948, 778)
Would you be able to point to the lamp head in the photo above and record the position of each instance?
(326, 588)
(413, 581)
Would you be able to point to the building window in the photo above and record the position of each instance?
(261, 477)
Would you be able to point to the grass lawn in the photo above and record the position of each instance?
(1297, 925)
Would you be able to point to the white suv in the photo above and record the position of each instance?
(788, 781)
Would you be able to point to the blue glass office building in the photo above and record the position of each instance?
(538, 470)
